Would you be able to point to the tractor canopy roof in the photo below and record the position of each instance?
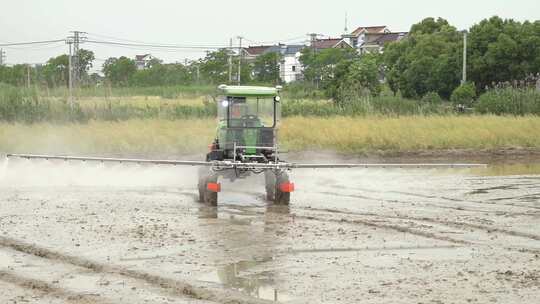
(249, 91)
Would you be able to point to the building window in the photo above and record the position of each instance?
(294, 68)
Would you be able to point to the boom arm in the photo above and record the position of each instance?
(116, 160)
(246, 166)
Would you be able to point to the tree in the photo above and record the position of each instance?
(119, 70)
(157, 74)
(15, 75)
(56, 71)
(356, 77)
(364, 73)
(86, 59)
(427, 61)
(503, 50)
(430, 26)
(320, 66)
(266, 68)
(214, 68)
(464, 94)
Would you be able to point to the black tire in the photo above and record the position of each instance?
(203, 175)
(210, 197)
(270, 185)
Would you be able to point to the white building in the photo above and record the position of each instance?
(290, 67)
(142, 60)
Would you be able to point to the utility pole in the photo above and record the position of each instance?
(198, 73)
(28, 75)
(77, 39)
(230, 60)
(278, 69)
(240, 55)
(2, 57)
(464, 77)
(313, 39)
(70, 80)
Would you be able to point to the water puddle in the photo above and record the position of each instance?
(241, 276)
(3, 168)
(506, 169)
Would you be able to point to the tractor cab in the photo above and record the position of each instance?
(247, 121)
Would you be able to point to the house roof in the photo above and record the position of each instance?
(381, 39)
(391, 37)
(285, 49)
(293, 49)
(141, 57)
(369, 29)
(257, 49)
(326, 43)
(275, 49)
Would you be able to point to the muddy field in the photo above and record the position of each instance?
(89, 233)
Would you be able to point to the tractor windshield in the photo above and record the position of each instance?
(247, 112)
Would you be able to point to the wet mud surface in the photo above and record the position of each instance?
(92, 233)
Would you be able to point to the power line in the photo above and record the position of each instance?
(39, 48)
(129, 41)
(31, 42)
(166, 46)
(276, 41)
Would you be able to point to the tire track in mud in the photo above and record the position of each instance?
(374, 224)
(399, 228)
(436, 221)
(378, 249)
(171, 286)
(491, 203)
(393, 227)
(47, 289)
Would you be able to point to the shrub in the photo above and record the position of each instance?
(464, 94)
(432, 98)
(509, 101)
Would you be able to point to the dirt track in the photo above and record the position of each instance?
(127, 234)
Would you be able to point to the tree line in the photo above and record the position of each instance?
(425, 64)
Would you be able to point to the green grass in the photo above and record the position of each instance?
(510, 101)
(168, 92)
(32, 105)
(160, 137)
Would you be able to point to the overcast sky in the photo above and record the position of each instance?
(191, 22)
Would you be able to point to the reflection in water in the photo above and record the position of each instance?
(240, 276)
(208, 212)
(249, 245)
(3, 168)
(503, 169)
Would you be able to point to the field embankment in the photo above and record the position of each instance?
(356, 135)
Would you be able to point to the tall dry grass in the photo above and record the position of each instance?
(409, 133)
(160, 137)
(132, 137)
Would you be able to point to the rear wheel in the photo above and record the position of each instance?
(210, 197)
(273, 184)
(270, 185)
(205, 195)
(282, 198)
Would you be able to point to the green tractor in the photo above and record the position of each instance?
(248, 119)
